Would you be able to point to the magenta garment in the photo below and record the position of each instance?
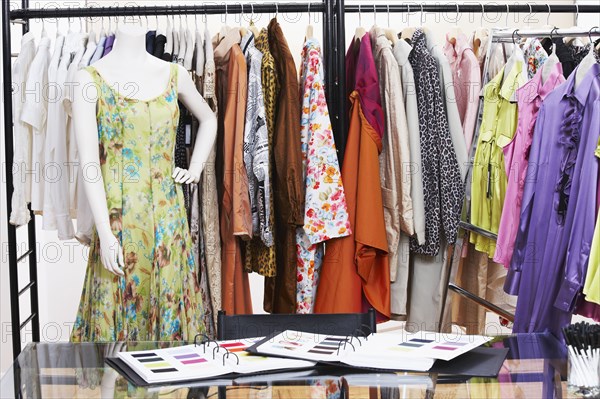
(367, 84)
(529, 99)
(466, 77)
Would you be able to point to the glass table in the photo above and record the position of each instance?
(536, 367)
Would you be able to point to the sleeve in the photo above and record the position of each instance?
(582, 233)
(242, 214)
(35, 107)
(326, 214)
(474, 82)
(513, 277)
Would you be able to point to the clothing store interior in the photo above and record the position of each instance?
(373, 199)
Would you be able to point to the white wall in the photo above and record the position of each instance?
(62, 265)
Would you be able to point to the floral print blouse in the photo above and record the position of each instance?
(325, 211)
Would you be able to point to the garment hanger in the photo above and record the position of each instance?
(242, 29)
(253, 28)
(480, 32)
(517, 55)
(309, 28)
(587, 62)
(551, 61)
(360, 31)
(407, 33)
(224, 28)
(390, 34)
(455, 31)
(573, 40)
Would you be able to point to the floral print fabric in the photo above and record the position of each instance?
(326, 214)
(535, 55)
(158, 298)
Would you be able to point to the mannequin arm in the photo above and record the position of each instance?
(207, 131)
(86, 135)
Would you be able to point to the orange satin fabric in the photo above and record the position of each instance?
(358, 263)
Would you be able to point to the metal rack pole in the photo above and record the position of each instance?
(474, 8)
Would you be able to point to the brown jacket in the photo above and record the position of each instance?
(360, 259)
(235, 215)
(288, 185)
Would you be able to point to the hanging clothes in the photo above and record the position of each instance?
(359, 263)
(208, 188)
(466, 75)
(488, 186)
(256, 145)
(235, 216)
(555, 202)
(562, 52)
(395, 152)
(326, 213)
(99, 48)
(259, 257)
(21, 195)
(529, 100)
(159, 45)
(443, 192)
(399, 286)
(34, 114)
(150, 37)
(288, 186)
(535, 56)
(108, 45)
(143, 305)
(591, 289)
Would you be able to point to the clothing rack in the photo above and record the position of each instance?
(334, 58)
(498, 35)
(23, 16)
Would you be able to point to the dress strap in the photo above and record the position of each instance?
(174, 74)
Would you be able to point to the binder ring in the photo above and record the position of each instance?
(226, 355)
(217, 349)
(204, 338)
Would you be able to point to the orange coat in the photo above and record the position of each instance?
(358, 260)
(235, 215)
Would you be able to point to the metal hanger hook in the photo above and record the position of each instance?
(548, 16)
(457, 15)
(507, 12)
(515, 32)
(375, 14)
(555, 29)
(576, 13)
(482, 14)
(241, 13)
(359, 16)
(388, 14)
(309, 12)
(421, 16)
(529, 15)
(590, 33)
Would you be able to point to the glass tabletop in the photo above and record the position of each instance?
(535, 367)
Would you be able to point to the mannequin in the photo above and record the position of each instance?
(129, 63)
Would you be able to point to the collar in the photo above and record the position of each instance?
(535, 88)
(225, 43)
(247, 41)
(402, 50)
(379, 41)
(455, 48)
(581, 93)
(27, 37)
(511, 83)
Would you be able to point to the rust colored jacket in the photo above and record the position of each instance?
(358, 263)
(280, 291)
(235, 215)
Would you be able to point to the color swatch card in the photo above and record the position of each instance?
(212, 359)
(423, 344)
(416, 352)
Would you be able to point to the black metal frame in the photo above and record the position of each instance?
(334, 58)
(23, 16)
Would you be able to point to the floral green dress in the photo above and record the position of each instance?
(158, 299)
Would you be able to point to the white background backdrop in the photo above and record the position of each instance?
(61, 265)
